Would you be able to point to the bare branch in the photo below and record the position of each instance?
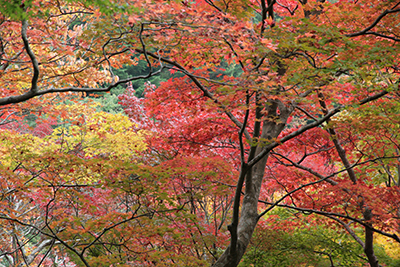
(335, 140)
(309, 126)
(348, 229)
(326, 213)
(377, 20)
(205, 91)
(32, 56)
(30, 94)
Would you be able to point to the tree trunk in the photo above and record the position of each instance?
(249, 215)
(369, 240)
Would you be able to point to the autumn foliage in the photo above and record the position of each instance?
(280, 120)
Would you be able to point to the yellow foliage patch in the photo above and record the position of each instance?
(82, 148)
(391, 247)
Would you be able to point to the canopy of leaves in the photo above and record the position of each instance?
(249, 107)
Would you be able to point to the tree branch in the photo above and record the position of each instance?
(31, 94)
(377, 20)
(326, 213)
(309, 126)
(205, 91)
(32, 56)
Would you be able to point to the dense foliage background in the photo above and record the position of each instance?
(198, 133)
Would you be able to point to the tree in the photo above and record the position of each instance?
(311, 119)
(62, 191)
(298, 74)
(304, 244)
(84, 195)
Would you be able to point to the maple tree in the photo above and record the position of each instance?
(298, 75)
(82, 195)
(309, 124)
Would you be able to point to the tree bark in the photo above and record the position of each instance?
(249, 215)
(369, 239)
